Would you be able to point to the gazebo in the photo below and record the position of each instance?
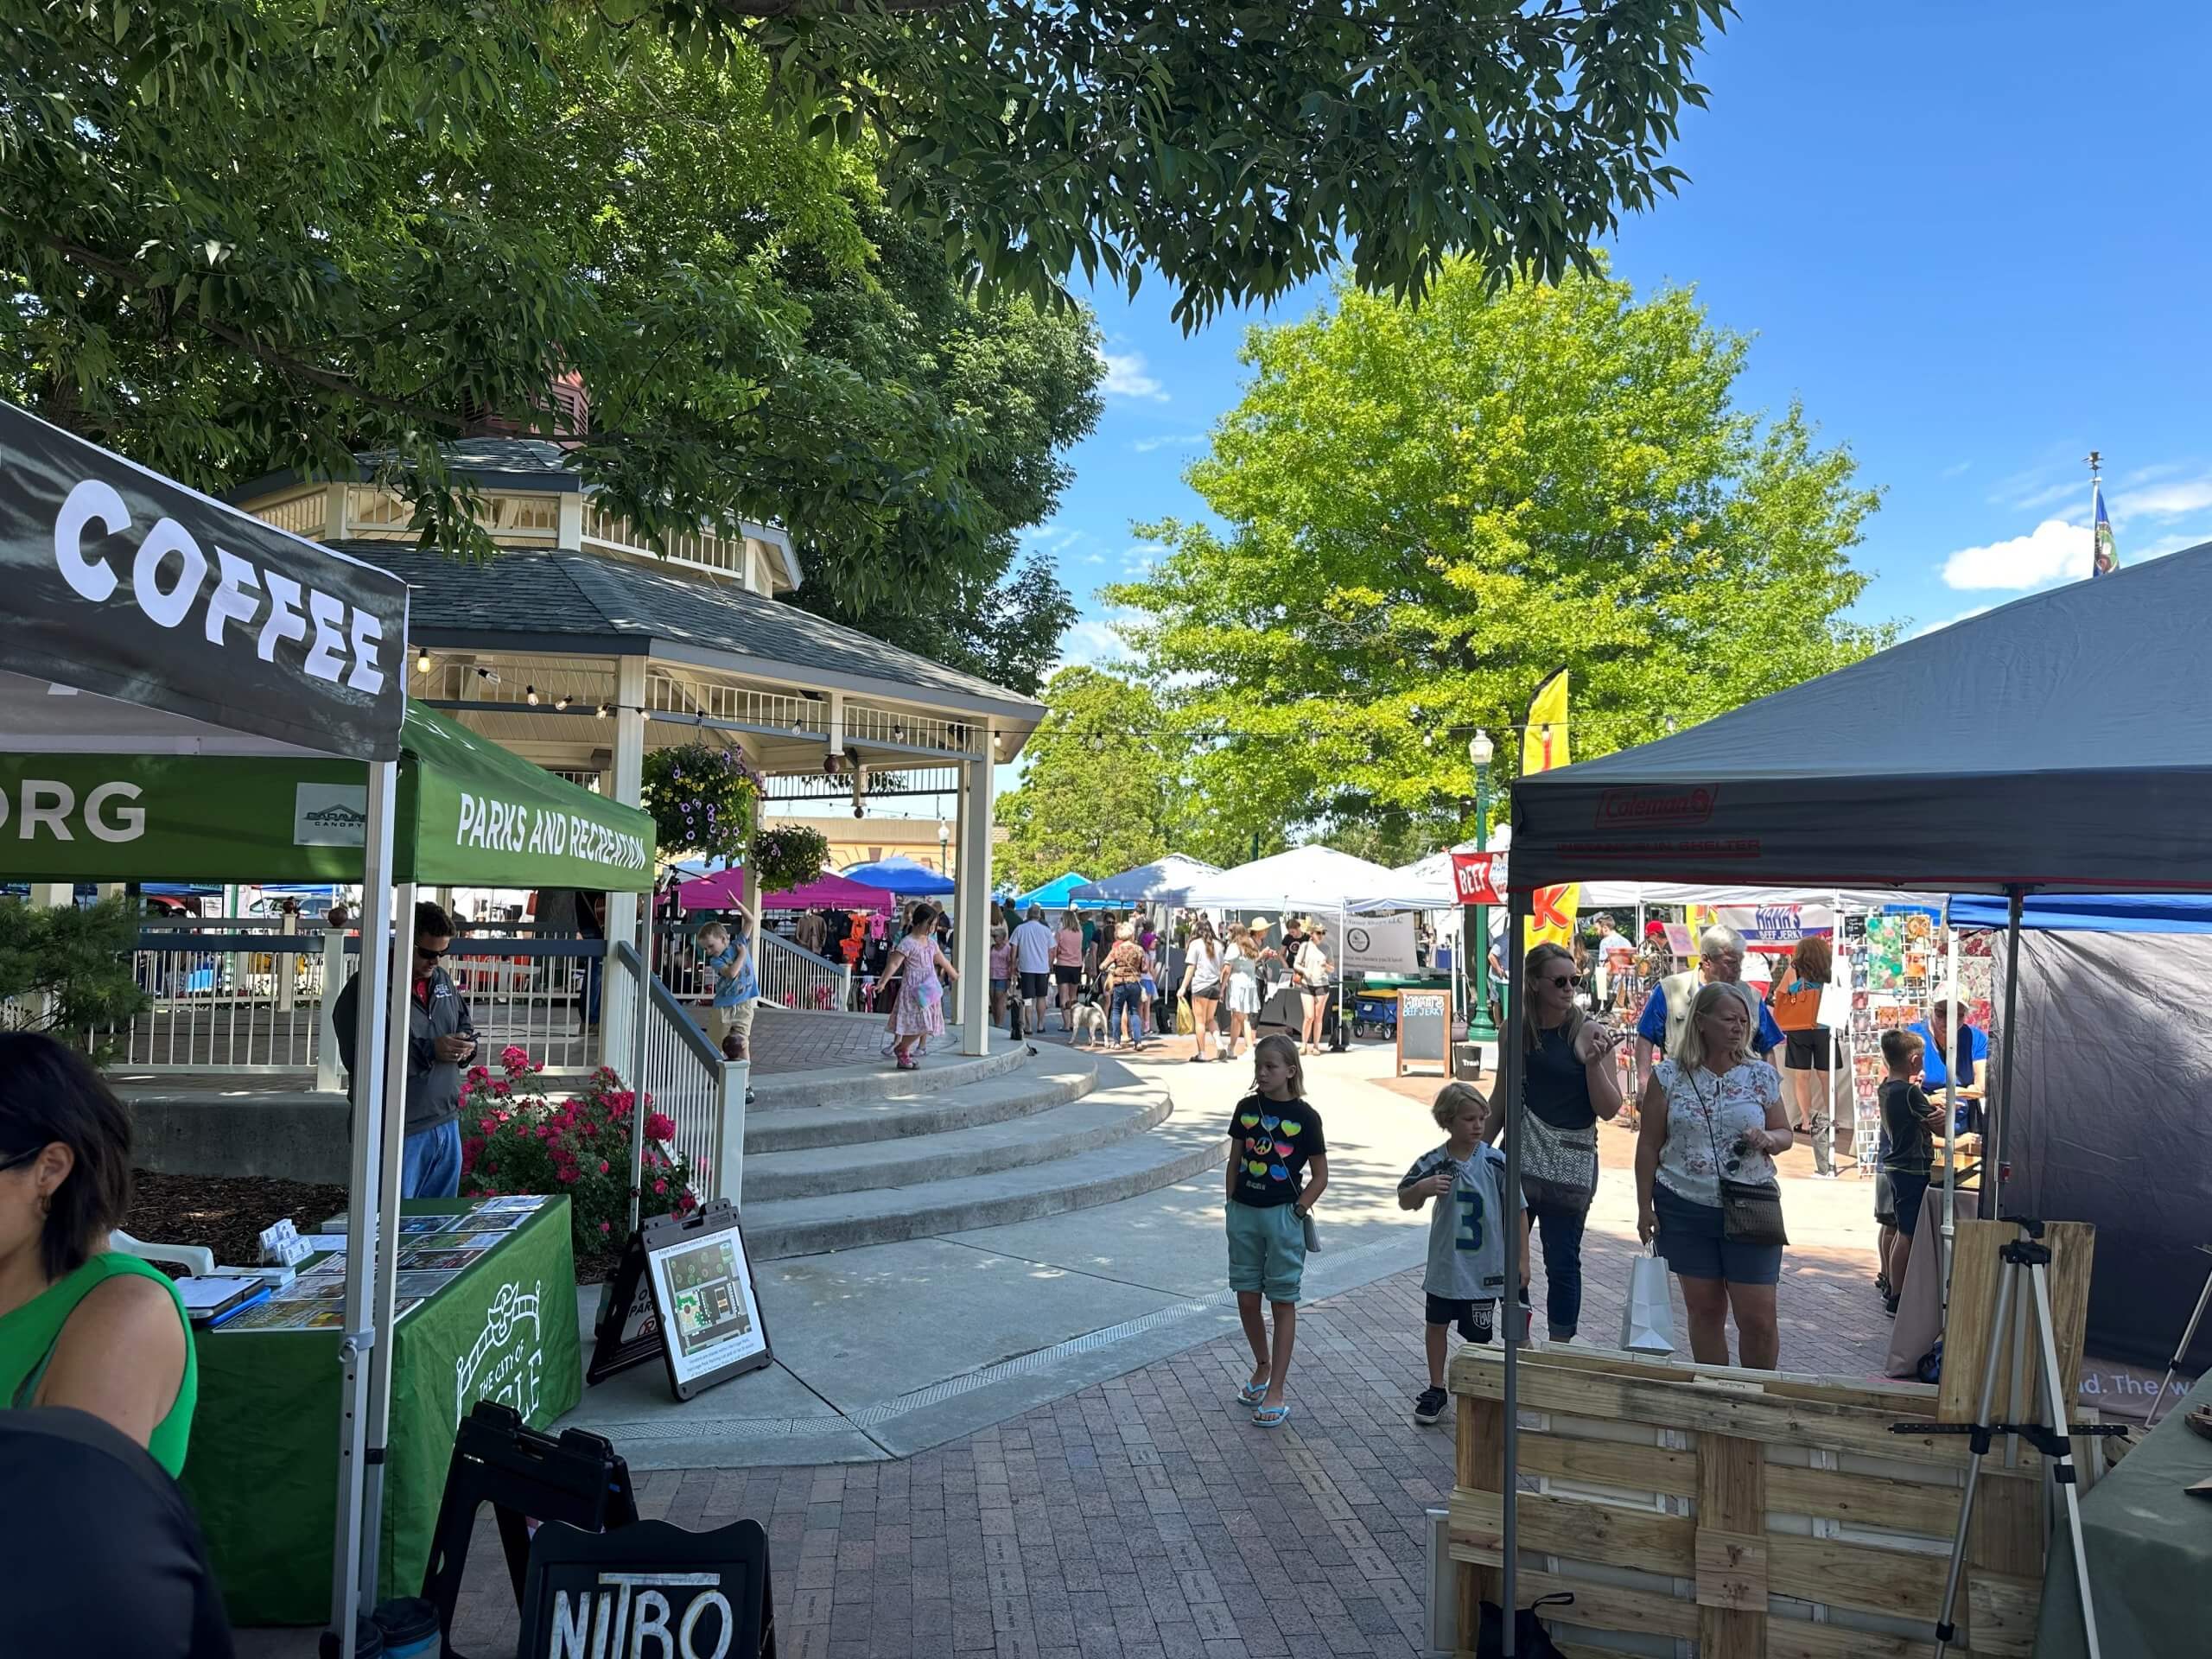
(583, 647)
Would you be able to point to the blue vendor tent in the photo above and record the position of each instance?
(899, 875)
(1053, 895)
(2093, 912)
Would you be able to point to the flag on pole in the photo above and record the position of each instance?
(2103, 560)
(1543, 746)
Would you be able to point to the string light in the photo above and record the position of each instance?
(421, 662)
(562, 703)
(529, 695)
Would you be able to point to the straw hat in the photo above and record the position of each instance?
(1260, 924)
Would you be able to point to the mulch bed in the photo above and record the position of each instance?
(225, 1212)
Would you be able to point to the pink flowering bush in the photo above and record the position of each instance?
(516, 1140)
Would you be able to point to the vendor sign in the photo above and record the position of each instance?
(1379, 945)
(124, 583)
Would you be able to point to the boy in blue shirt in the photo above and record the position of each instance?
(737, 990)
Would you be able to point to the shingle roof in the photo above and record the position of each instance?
(555, 595)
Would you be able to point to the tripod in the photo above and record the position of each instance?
(2026, 1260)
(2188, 1336)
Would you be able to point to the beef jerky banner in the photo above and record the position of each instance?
(124, 583)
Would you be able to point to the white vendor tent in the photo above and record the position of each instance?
(1313, 877)
(1163, 881)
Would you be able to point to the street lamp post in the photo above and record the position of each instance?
(1474, 930)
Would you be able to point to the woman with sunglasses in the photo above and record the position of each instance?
(81, 1326)
(1568, 1082)
(1712, 1113)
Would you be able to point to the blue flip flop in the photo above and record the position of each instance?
(1272, 1416)
(1252, 1393)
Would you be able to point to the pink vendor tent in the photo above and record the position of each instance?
(722, 890)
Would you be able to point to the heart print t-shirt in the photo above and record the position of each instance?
(1271, 1141)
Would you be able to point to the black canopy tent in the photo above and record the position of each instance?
(2062, 741)
(144, 618)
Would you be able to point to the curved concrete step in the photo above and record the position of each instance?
(1049, 1081)
(1174, 1151)
(1076, 1129)
(841, 1085)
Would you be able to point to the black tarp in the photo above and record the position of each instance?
(2062, 740)
(123, 583)
(2112, 1080)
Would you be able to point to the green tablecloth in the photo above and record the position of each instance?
(2150, 1549)
(263, 1470)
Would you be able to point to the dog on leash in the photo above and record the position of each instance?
(1089, 1029)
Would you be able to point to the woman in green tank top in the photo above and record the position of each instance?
(81, 1326)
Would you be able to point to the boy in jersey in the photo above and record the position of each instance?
(1468, 1235)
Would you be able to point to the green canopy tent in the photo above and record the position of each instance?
(466, 812)
(470, 813)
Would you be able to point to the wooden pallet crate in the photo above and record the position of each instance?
(1748, 1515)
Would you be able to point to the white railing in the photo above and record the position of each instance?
(794, 979)
(237, 995)
(686, 1079)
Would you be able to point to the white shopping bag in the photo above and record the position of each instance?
(1647, 1321)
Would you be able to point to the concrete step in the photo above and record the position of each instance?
(1174, 1150)
(841, 1085)
(1077, 1129)
(1048, 1081)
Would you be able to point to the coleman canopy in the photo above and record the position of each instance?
(1310, 877)
(469, 814)
(1054, 894)
(1163, 881)
(899, 875)
(2062, 740)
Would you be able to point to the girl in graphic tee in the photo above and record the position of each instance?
(1277, 1169)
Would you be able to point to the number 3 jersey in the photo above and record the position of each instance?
(1471, 1234)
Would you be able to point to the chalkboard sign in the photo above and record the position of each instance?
(1424, 1030)
(649, 1587)
(683, 1291)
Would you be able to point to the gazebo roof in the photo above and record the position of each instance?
(556, 601)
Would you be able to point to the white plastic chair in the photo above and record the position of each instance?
(193, 1258)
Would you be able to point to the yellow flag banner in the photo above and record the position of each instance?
(1543, 746)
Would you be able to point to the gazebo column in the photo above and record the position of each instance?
(971, 903)
(628, 783)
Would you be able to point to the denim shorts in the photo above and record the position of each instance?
(1266, 1249)
(1694, 1241)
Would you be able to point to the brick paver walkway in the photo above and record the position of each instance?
(786, 1041)
(1144, 1518)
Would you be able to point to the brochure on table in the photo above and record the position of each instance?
(434, 1251)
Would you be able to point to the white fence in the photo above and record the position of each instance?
(690, 1081)
(791, 979)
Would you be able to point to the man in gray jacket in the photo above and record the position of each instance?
(442, 1039)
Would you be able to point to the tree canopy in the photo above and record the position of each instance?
(250, 236)
(1238, 149)
(1098, 789)
(1427, 510)
(245, 236)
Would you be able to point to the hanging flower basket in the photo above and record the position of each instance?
(704, 799)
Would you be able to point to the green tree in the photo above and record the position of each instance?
(246, 234)
(69, 970)
(1427, 510)
(1099, 784)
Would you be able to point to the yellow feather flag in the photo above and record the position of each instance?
(1543, 746)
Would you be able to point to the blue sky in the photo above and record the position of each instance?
(1974, 239)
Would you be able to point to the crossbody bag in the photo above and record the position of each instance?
(1751, 1211)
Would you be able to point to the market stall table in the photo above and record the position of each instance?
(495, 1322)
(2150, 1548)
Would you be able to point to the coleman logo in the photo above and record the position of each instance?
(330, 815)
(1653, 809)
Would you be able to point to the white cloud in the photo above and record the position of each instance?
(2145, 475)
(1126, 377)
(2164, 545)
(1093, 643)
(1956, 467)
(2054, 549)
(2168, 500)
(1146, 446)
(1930, 627)
(2050, 495)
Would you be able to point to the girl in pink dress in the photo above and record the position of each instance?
(915, 964)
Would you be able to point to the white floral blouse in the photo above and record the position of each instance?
(1705, 1113)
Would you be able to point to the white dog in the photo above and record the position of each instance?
(1089, 1027)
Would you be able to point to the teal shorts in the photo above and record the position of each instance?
(1267, 1250)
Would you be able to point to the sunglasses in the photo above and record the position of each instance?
(432, 955)
(1562, 981)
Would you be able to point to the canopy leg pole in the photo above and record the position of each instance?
(1997, 1114)
(368, 1112)
(1951, 1042)
(638, 1111)
(1511, 1062)
(384, 1243)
